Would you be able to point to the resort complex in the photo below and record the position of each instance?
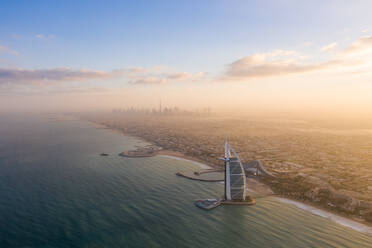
(235, 183)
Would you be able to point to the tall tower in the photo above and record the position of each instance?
(235, 180)
(160, 106)
(227, 172)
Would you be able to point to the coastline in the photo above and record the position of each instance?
(341, 220)
(346, 221)
(356, 225)
(259, 188)
(180, 156)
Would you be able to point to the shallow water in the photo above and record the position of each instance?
(56, 191)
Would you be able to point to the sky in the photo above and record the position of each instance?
(76, 55)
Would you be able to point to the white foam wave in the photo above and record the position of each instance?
(201, 165)
(338, 219)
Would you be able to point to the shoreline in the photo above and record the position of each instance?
(182, 157)
(346, 221)
(341, 220)
(336, 218)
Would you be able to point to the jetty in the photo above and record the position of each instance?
(180, 174)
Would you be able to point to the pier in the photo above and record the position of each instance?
(198, 179)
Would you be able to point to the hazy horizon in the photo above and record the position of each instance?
(274, 56)
(186, 123)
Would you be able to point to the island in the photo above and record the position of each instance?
(140, 152)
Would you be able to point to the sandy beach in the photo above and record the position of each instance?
(355, 225)
(181, 156)
(260, 188)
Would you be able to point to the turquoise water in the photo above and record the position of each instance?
(56, 191)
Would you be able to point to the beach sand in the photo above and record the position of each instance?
(255, 186)
(258, 187)
(181, 156)
(355, 225)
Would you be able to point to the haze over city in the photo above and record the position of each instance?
(214, 123)
(285, 55)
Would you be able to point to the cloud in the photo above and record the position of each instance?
(329, 47)
(21, 90)
(135, 70)
(279, 62)
(161, 78)
(45, 36)
(283, 62)
(360, 46)
(22, 76)
(4, 49)
(132, 72)
(132, 75)
(148, 80)
(356, 57)
(159, 75)
(179, 76)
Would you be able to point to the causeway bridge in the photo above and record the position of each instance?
(256, 168)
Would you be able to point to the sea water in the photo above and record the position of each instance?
(57, 191)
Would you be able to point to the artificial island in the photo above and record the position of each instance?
(235, 183)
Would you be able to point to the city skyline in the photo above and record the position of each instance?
(274, 53)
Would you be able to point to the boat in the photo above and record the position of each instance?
(104, 154)
(207, 204)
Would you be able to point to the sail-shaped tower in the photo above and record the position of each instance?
(235, 183)
(235, 179)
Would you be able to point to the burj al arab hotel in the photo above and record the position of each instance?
(235, 183)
